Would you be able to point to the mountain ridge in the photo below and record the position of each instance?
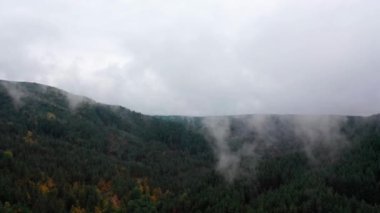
(57, 156)
(169, 115)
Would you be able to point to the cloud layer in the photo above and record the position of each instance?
(200, 57)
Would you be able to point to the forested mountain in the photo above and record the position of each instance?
(65, 153)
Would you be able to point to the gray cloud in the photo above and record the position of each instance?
(200, 57)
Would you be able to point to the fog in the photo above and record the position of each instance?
(256, 133)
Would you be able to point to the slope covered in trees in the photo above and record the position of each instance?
(64, 153)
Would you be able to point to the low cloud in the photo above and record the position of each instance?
(235, 139)
(76, 101)
(16, 92)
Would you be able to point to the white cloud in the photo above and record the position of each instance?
(200, 57)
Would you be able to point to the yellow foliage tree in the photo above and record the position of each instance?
(29, 138)
(46, 186)
(156, 194)
(143, 186)
(98, 210)
(50, 116)
(77, 209)
(8, 154)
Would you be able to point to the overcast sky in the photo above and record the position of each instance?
(200, 57)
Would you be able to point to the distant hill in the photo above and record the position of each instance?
(61, 152)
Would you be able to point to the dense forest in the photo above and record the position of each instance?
(64, 153)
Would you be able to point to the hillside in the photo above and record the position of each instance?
(65, 153)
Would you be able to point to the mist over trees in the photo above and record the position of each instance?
(65, 153)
